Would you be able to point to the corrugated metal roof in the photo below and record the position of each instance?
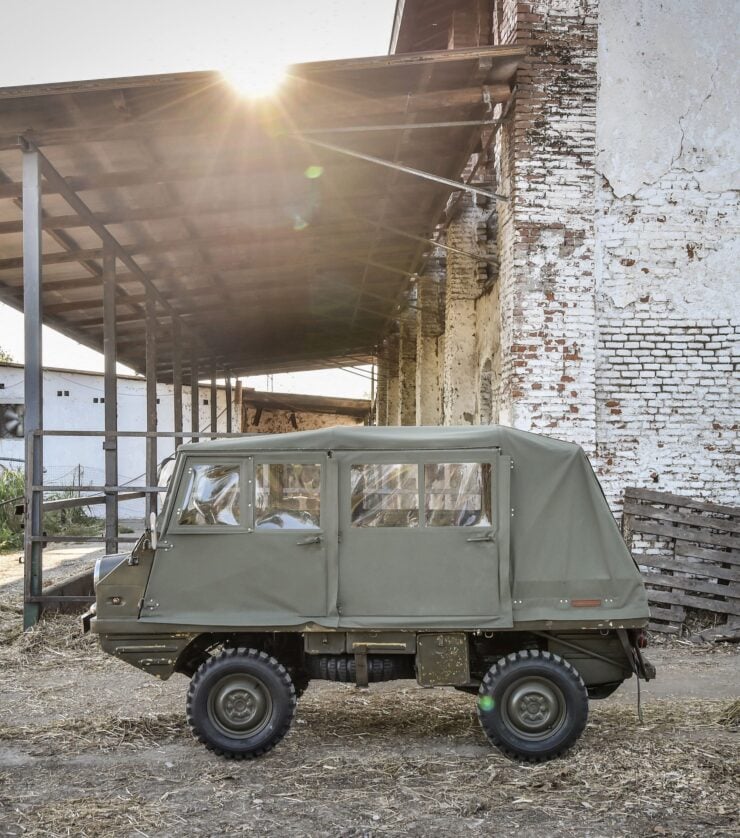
(274, 253)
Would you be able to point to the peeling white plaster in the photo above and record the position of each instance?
(669, 92)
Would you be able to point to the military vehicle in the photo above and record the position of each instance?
(481, 558)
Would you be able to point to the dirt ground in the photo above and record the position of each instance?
(92, 747)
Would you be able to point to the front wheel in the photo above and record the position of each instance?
(532, 705)
(241, 703)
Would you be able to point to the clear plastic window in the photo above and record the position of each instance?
(288, 496)
(457, 494)
(385, 495)
(212, 496)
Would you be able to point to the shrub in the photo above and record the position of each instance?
(12, 489)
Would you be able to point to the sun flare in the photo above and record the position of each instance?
(255, 78)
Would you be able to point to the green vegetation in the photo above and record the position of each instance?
(11, 486)
(5, 357)
(75, 521)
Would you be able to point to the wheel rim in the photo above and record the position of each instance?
(240, 705)
(533, 708)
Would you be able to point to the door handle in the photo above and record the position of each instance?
(316, 539)
(487, 537)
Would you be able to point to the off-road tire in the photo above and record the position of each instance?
(532, 705)
(240, 679)
(301, 681)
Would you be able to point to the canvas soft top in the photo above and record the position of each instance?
(390, 439)
(565, 546)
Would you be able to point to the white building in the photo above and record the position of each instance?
(74, 400)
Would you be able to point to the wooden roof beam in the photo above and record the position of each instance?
(183, 210)
(340, 113)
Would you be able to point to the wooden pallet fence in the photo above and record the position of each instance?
(696, 564)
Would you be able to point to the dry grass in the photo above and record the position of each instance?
(388, 761)
(406, 756)
(56, 641)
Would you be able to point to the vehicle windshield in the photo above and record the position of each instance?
(165, 470)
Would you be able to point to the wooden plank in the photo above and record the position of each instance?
(674, 613)
(664, 628)
(680, 500)
(198, 209)
(691, 550)
(709, 571)
(692, 519)
(682, 534)
(697, 602)
(731, 591)
(345, 108)
(235, 238)
(261, 165)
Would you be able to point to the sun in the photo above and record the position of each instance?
(254, 78)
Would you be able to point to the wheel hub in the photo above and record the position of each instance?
(239, 705)
(534, 708)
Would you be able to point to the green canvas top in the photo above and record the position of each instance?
(343, 438)
(565, 545)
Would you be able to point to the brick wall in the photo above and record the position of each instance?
(615, 318)
(667, 252)
(547, 232)
(668, 393)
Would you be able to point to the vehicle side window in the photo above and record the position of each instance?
(385, 495)
(287, 496)
(212, 496)
(457, 494)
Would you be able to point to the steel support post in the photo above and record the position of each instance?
(213, 401)
(151, 403)
(177, 379)
(229, 404)
(194, 398)
(239, 407)
(34, 383)
(110, 443)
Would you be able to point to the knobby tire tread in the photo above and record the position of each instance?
(210, 664)
(500, 668)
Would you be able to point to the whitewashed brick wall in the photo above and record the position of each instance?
(546, 280)
(667, 250)
(668, 392)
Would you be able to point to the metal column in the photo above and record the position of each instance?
(239, 407)
(177, 379)
(194, 398)
(214, 402)
(34, 383)
(110, 443)
(229, 404)
(151, 403)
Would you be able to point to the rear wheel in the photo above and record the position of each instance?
(241, 703)
(532, 705)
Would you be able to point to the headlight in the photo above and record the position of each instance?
(107, 564)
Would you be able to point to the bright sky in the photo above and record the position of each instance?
(66, 40)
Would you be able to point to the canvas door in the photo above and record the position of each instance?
(244, 544)
(421, 539)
